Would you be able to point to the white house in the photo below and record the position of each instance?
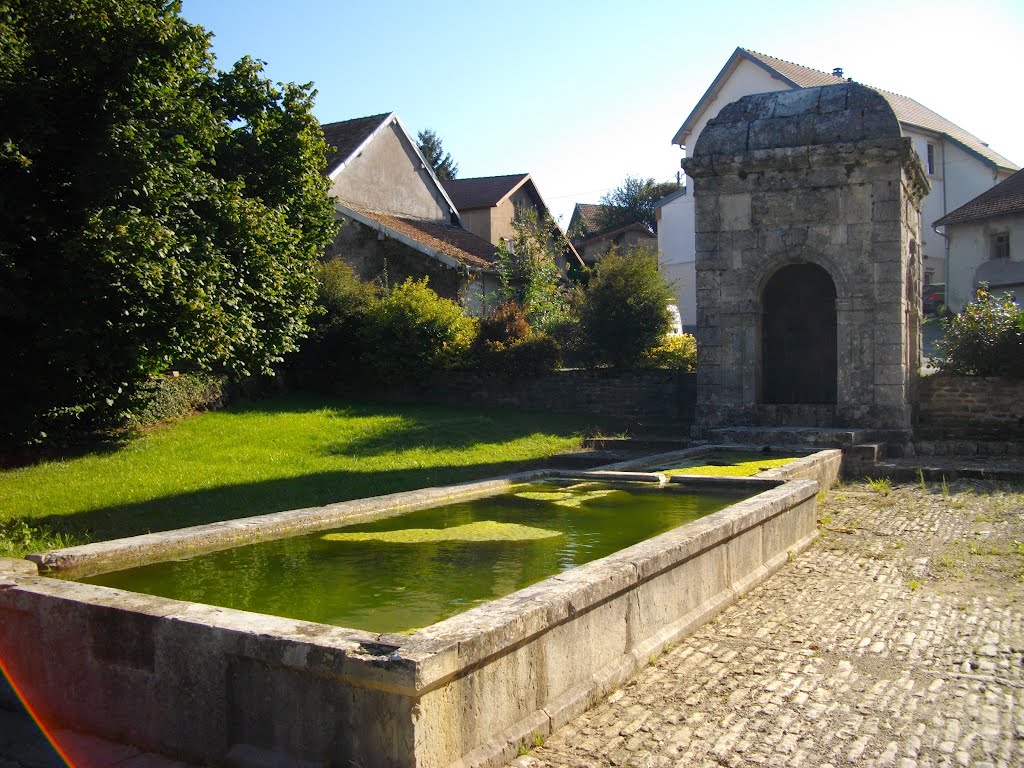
(986, 243)
(960, 166)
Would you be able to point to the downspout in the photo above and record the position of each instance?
(945, 210)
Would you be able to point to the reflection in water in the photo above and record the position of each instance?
(393, 587)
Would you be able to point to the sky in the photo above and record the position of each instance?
(582, 95)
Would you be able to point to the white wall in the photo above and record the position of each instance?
(970, 247)
(958, 178)
(675, 242)
(676, 246)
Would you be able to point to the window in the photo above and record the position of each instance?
(930, 158)
(1001, 245)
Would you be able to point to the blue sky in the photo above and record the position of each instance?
(583, 94)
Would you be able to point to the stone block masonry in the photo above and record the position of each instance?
(655, 397)
(808, 268)
(954, 407)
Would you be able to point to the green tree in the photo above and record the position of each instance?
(433, 150)
(157, 212)
(633, 201)
(528, 269)
(625, 308)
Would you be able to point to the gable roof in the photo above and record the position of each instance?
(483, 191)
(590, 213)
(908, 111)
(1005, 198)
(347, 136)
(635, 226)
(681, 192)
(449, 244)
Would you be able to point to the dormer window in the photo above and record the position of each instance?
(1001, 245)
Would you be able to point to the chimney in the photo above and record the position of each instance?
(837, 71)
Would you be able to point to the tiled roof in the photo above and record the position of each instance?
(590, 213)
(463, 246)
(1004, 198)
(636, 226)
(482, 192)
(347, 135)
(907, 110)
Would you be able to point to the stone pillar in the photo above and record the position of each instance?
(817, 176)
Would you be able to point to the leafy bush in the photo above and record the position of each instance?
(986, 339)
(333, 352)
(625, 308)
(177, 395)
(675, 351)
(506, 324)
(412, 331)
(537, 354)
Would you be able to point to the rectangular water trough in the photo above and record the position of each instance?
(214, 685)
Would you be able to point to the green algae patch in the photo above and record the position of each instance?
(568, 497)
(485, 530)
(731, 465)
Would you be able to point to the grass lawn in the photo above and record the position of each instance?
(284, 453)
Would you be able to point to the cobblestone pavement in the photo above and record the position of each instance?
(896, 640)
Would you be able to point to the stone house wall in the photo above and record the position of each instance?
(389, 261)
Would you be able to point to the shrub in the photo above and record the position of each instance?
(537, 354)
(986, 339)
(333, 351)
(675, 351)
(506, 324)
(412, 331)
(625, 308)
(178, 395)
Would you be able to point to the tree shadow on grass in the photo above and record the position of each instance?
(249, 499)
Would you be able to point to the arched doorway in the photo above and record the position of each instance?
(798, 337)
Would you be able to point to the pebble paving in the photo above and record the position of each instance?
(896, 640)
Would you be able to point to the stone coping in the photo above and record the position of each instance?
(418, 661)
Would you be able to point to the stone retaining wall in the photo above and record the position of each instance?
(655, 396)
(970, 406)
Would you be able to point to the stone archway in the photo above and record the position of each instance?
(798, 337)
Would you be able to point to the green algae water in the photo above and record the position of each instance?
(399, 573)
(730, 464)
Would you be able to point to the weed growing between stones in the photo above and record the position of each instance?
(880, 485)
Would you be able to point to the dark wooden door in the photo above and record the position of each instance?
(799, 336)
